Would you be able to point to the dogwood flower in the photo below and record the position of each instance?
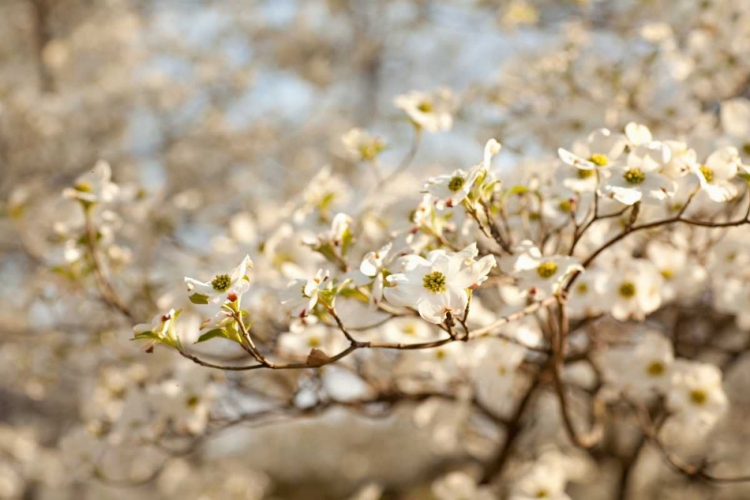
(602, 149)
(640, 179)
(224, 287)
(161, 330)
(537, 274)
(544, 479)
(644, 365)
(302, 295)
(372, 266)
(436, 285)
(717, 173)
(451, 190)
(697, 393)
(634, 290)
(361, 145)
(432, 111)
(95, 186)
(459, 485)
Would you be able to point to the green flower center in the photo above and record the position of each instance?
(546, 269)
(542, 494)
(656, 369)
(634, 176)
(707, 173)
(565, 205)
(221, 282)
(424, 107)
(746, 148)
(585, 173)
(434, 282)
(599, 160)
(698, 397)
(582, 288)
(667, 274)
(192, 401)
(627, 290)
(440, 354)
(456, 183)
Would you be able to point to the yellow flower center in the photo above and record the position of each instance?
(668, 274)
(634, 176)
(698, 397)
(546, 269)
(440, 354)
(456, 183)
(565, 205)
(656, 369)
(599, 160)
(627, 290)
(410, 329)
(84, 187)
(707, 173)
(192, 401)
(434, 282)
(585, 173)
(425, 107)
(314, 342)
(221, 282)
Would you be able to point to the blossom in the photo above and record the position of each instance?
(645, 364)
(634, 290)
(451, 190)
(544, 479)
(602, 148)
(540, 275)
(161, 330)
(223, 287)
(496, 362)
(697, 393)
(302, 295)
(361, 145)
(640, 179)
(436, 285)
(432, 111)
(373, 266)
(717, 173)
(459, 485)
(95, 186)
(313, 337)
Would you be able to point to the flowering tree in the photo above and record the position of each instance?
(563, 316)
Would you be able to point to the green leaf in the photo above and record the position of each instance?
(199, 298)
(147, 336)
(216, 332)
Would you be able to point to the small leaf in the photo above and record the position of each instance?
(199, 298)
(147, 336)
(216, 332)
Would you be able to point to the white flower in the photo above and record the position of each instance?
(496, 362)
(539, 275)
(634, 290)
(543, 479)
(372, 266)
(717, 173)
(361, 145)
(697, 394)
(302, 295)
(94, 186)
(459, 485)
(640, 180)
(451, 190)
(643, 366)
(431, 111)
(602, 149)
(313, 337)
(585, 297)
(437, 285)
(163, 329)
(224, 287)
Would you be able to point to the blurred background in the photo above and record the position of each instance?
(213, 108)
